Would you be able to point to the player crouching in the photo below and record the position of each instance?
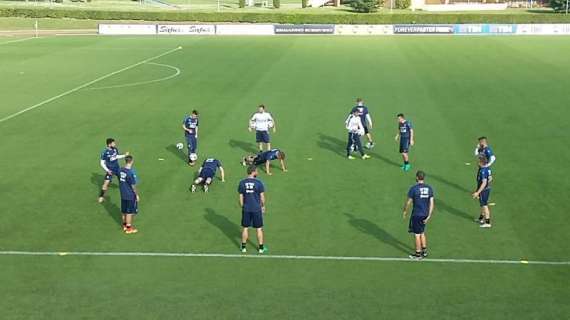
(265, 158)
(206, 174)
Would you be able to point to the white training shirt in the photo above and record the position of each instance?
(354, 125)
(261, 121)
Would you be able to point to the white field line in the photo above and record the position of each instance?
(279, 257)
(133, 84)
(37, 105)
(17, 40)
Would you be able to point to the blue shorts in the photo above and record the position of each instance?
(262, 136)
(129, 206)
(205, 174)
(192, 143)
(115, 171)
(484, 197)
(404, 145)
(251, 219)
(417, 225)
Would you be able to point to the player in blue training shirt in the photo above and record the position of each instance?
(406, 136)
(207, 172)
(421, 196)
(129, 195)
(110, 163)
(252, 201)
(264, 158)
(366, 120)
(483, 149)
(484, 179)
(190, 126)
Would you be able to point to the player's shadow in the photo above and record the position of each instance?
(111, 208)
(447, 182)
(231, 230)
(443, 206)
(178, 153)
(245, 146)
(332, 144)
(370, 228)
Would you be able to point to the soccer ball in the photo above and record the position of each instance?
(193, 157)
(179, 145)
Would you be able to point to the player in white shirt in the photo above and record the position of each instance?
(262, 121)
(355, 130)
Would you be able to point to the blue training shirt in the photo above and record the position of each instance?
(127, 179)
(486, 152)
(110, 157)
(251, 190)
(420, 194)
(211, 164)
(363, 111)
(405, 128)
(484, 173)
(264, 156)
(190, 123)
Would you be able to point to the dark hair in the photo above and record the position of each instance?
(483, 159)
(400, 115)
(195, 112)
(482, 138)
(358, 99)
(262, 106)
(110, 140)
(420, 175)
(129, 159)
(281, 155)
(251, 169)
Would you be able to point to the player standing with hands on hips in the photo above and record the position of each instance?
(262, 121)
(483, 191)
(252, 202)
(421, 196)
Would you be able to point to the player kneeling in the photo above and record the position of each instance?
(265, 158)
(206, 174)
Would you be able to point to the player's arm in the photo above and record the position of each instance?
(262, 197)
(476, 152)
(397, 134)
(491, 161)
(412, 136)
(223, 174)
(122, 156)
(251, 123)
(185, 128)
(267, 165)
(274, 123)
(407, 207)
(104, 166)
(283, 167)
(431, 207)
(369, 120)
(196, 129)
(136, 192)
(481, 188)
(241, 200)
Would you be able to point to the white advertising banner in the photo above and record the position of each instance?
(543, 29)
(187, 29)
(127, 29)
(244, 29)
(364, 29)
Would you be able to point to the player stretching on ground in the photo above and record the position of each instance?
(207, 172)
(129, 195)
(262, 121)
(406, 136)
(483, 149)
(252, 201)
(110, 163)
(190, 126)
(365, 119)
(484, 179)
(421, 195)
(355, 129)
(264, 158)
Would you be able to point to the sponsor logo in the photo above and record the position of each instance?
(423, 28)
(187, 29)
(304, 29)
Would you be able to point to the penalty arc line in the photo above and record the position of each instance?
(18, 40)
(134, 84)
(87, 84)
(279, 257)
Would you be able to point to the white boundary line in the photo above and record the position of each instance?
(37, 105)
(133, 84)
(17, 40)
(279, 257)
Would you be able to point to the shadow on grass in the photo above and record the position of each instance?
(231, 230)
(245, 146)
(338, 146)
(178, 153)
(370, 228)
(112, 209)
(447, 182)
(443, 206)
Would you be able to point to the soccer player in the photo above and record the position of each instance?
(190, 126)
(406, 137)
(129, 195)
(110, 163)
(262, 121)
(483, 149)
(264, 158)
(366, 120)
(207, 172)
(421, 196)
(252, 201)
(355, 129)
(484, 179)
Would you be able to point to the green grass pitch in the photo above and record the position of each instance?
(454, 89)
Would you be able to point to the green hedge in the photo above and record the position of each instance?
(275, 17)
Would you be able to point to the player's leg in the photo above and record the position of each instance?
(196, 183)
(416, 227)
(259, 140)
(484, 202)
(369, 144)
(129, 209)
(267, 140)
(423, 240)
(349, 145)
(105, 187)
(124, 224)
(267, 169)
(244, 236)
(246, 222)
(258, 225)
(207, 183)
(359, 147)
